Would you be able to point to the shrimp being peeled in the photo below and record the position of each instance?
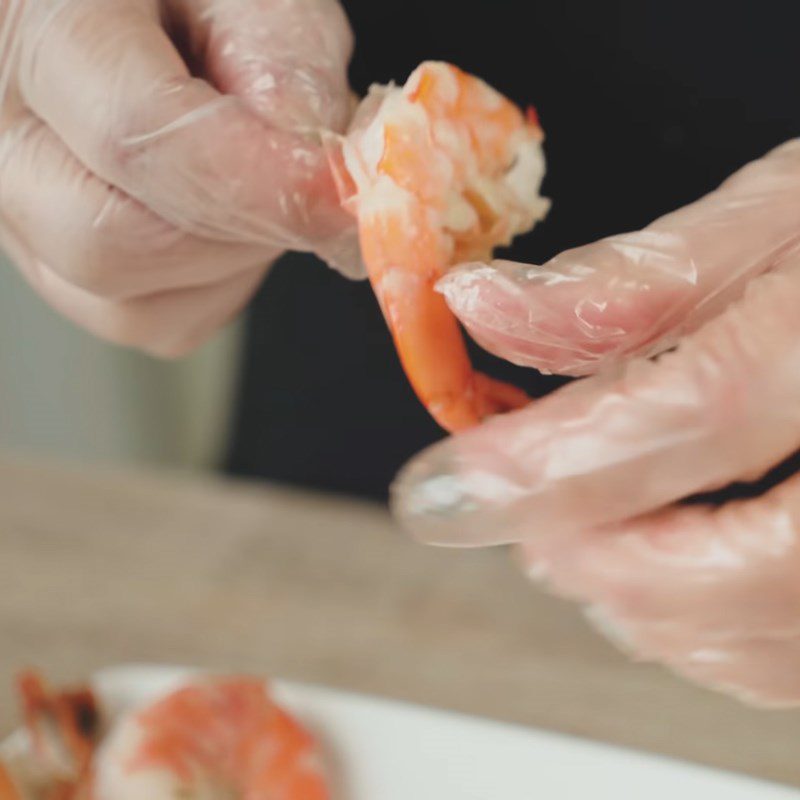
(210, 739)
(438, 172)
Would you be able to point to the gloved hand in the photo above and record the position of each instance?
(588, 479)
(156, 156)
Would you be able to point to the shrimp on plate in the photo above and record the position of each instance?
(62, 730)
(213, 739)
(210, 739)
(438, 172)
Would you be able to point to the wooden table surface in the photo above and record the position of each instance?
(104, 567)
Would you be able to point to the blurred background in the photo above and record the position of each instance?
(66, 394)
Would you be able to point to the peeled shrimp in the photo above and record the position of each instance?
(215, 739)
(439, 172)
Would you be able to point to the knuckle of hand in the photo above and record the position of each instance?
(124, 241)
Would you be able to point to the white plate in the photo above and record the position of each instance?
(391, 751)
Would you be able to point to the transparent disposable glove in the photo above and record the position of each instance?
(589, 479)
(156, 156)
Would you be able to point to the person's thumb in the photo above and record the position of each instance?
(287, 59)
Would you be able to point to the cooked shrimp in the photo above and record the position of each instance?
(210, 740)
(439, 172)
(62, 729)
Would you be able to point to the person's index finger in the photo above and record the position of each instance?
(106, 77)
(631, 294)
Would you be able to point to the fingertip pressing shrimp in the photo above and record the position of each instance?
(439, 172)
(216, 738)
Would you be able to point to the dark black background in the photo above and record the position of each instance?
(647, 105)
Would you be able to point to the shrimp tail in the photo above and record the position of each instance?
(498, 396)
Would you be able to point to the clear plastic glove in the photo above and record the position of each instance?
(588, 479)
(156, 156)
